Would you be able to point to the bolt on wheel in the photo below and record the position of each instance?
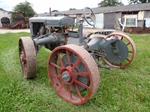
(73, 73)
(27, 55)
(130, 47)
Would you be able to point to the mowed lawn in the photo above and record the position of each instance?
(121, 90)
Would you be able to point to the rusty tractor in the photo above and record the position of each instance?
(75, 57)
(18, 21)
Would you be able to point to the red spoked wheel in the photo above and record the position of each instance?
(73, 73)
(130, 46)
(27, 55)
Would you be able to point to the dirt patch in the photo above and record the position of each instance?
(2, 31)
(137, 30)
(85, 30)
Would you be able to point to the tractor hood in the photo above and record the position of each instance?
(53, 21)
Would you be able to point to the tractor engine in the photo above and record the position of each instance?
(51, 32)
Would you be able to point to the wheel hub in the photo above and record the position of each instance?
(119, 54)
(22, 58)
(65, 76)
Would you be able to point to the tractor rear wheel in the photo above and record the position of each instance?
(73, 73)
(27, 55)
(130, 46)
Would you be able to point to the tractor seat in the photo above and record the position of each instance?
(73, 34)
(97, 35)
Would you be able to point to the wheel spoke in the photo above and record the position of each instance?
(24, 59)
(128, 43)
(81, 84)
(56, 66)
(62, 86)
(60, 60)
(58, 76)
(67, 55)
(82, 73)
(128, 60)
(121, 38)
(23, 63)
(76, 63)
(78, 93)
(130, 51)
(69, 90)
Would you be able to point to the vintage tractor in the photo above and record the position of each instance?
(75, 57)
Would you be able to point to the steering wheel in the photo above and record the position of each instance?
(89, 16)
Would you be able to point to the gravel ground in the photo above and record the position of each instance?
(2, 31)
(86, 30)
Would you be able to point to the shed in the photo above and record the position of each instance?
(110, 15)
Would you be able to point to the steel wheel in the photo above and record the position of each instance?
(27, 55)
(73, 73)
(131, 50)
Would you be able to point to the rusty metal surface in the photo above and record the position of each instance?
(131, 47)
(27, 55)
(70, 68)
(19, 22)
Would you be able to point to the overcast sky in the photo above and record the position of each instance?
(41, 6)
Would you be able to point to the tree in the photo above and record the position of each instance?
(55, 11)
(133, 1)
(72, 9)
(138, 1)
(24, 8)
(106, 3)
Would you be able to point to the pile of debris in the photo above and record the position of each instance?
(5, 22)
(18, 21)
(137, 30)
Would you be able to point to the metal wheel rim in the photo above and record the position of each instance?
(132, 50)
(63, 88)
(27, 56)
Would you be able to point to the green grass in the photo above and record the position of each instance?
(121, 90)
